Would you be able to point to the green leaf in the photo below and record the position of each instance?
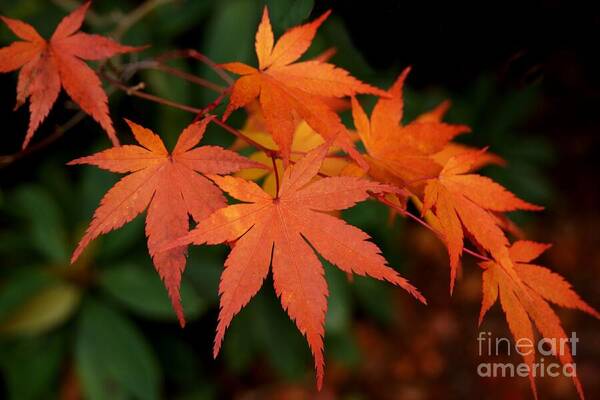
(116, 243)
(31, 367)
(280, 340)
(262, 327)
(241, 343)
(204, 269)
(45, 222)
(170, 121)
(94, 184)
(344, 349)
(15, 291)
(374, 297)
(179, 17)
(285, 14)
(44, 310)
(113, 359)
(141, 291)
(347, 55)
(230, 34)
(338, 308)
(230, 37)
(185, 368)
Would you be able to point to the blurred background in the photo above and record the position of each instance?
(523, 75)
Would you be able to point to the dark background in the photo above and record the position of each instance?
(523, 75)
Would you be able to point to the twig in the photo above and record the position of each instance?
(187, 76)
(276, 172)
(125, 23)
(417, 219)
(252, 142)
(59, 131)
(92, 18)
(209, 108)
(191, 53)
(132, 91)
(128, 70)
(133, 17)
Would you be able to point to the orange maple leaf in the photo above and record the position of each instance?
(469, 201)
(170, 186)
(526, 300)
(305, 140)
(402, 154)
(280, 231)
(288, 90)
(46, 65)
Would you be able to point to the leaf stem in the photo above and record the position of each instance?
(133, 91)
(424, 223)
(276, 172)
(191, 53)
(58, 132)
(209, 108)
(187, 76)
(252, 142)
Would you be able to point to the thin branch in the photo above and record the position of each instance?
(191, 53)
(59, 131)
(133, 17)
(127, 71)
(276, 172)
(422, 222)
(133, 91)
(187, 76)
(245, 138)
(125, 22)
(92, 18)
(209, 108)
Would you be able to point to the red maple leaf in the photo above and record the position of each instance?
(398, 153)
(280, 231)
(288, 90)
(48, 65)
(525, 300)
(465, 201)
(170, 186)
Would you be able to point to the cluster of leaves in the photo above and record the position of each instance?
(294, 123)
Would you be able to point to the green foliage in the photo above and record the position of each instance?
(113, 358)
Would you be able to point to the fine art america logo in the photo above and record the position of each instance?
(490, 347)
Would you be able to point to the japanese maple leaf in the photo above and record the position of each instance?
(287, 89)
(282, 231)
(169, 185)
(403, 154)
(455, 149)
(48, 65)
(305, 140)
(468, 201)
(527, 300)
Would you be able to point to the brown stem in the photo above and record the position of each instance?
(131, 91)
(276, 172)
(198, 111)
(188, 77)
(133, 17)
(59, 131)
(209, 108)
(191, 53)
(252, 142)
(125, 23)
(422, 222)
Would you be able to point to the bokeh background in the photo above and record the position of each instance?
(523, 75)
